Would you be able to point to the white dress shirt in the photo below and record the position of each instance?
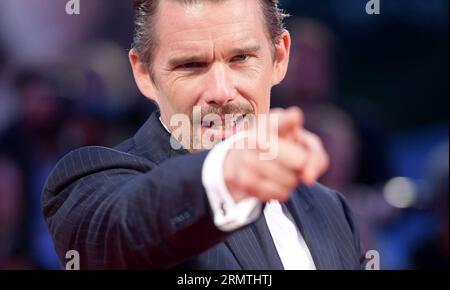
(230, 215)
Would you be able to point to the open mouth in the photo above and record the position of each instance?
(226, 123)
(223, 128)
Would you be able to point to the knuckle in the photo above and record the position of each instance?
(315, 139)
(326, 160)
(299, 160)
(246, 181)
(291, 182)
(297, 113)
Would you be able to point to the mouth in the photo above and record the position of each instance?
(224, 127)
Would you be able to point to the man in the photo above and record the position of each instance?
(149, 203)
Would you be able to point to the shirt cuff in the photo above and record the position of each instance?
(228, 214)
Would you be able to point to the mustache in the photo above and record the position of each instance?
(228, 109)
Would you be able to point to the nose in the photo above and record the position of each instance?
(220, 89)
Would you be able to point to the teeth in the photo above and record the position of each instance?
(239, 118)
(207, 124)
(226, 124)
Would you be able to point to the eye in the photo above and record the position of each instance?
(240, 58)
(191, 65)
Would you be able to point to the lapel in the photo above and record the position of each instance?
(253, 247)
(267, 244)
(153, 142)
(315, 230)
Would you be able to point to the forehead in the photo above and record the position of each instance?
(183, 26)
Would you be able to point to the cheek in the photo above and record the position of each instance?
(257, 91)
(182, 95)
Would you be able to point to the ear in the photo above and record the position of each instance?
(142, 76)
(282, 51)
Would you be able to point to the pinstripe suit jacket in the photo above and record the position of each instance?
(142, 205)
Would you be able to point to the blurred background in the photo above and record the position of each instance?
(374, 87)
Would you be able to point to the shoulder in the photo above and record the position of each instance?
(323, 194)
(87, 161)
(329, 202)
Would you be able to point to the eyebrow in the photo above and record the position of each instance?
(246, 49)
(184, 59)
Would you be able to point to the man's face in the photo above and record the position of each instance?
(217, 56)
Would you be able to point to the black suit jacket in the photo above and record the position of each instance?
(142, 205)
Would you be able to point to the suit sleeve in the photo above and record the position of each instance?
(121, 211)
